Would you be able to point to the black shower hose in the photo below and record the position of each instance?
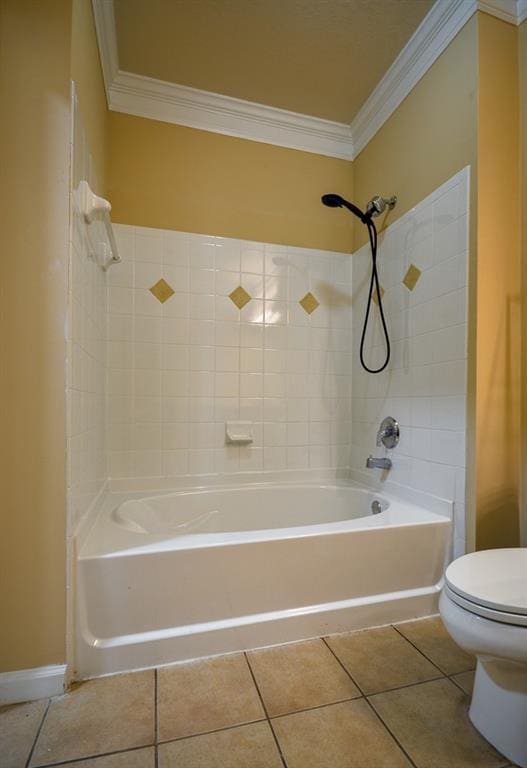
(374, 285)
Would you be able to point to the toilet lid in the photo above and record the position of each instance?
(493, 578)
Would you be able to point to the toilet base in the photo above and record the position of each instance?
(499, 706)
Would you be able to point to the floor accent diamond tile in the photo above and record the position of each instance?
(240, 297)
(162, 291)
(309, 303)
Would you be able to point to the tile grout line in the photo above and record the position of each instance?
(451, 678)
(444, 674)
(441, 676)
(73, 760)
(39, 730)
(156, 721)
(215, 730)
(317, 706)
(370, 705)
(418, 649)
(279, 748)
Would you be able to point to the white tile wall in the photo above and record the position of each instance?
(424, 386)
(177, 371)
(86, 352)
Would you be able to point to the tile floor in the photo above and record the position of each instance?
(390, 697)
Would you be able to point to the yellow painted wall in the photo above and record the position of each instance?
(464, 111)
(169, 176)
(87, 74)
(34, 193)
(522, 58)
(429, 137)
(498, 392)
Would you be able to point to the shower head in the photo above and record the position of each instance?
(378, 205)
(336, 201)
(332, 201)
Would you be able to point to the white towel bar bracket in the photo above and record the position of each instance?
(96, 213)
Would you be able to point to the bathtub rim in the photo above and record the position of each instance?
(112, 535)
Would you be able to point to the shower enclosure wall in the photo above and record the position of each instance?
(191, 331)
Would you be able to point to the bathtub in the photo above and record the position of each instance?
(185, 574)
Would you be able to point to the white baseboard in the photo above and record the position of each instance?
(31, 684)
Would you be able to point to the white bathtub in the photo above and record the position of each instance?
(185, 574)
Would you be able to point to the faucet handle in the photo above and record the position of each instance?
(389, 433)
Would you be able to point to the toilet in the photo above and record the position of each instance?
(484, 608)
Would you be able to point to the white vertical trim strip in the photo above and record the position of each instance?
(103, 14)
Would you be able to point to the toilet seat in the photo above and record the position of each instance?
(492, 584)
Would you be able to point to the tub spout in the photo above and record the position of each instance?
(372, 463)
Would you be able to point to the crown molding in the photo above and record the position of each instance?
(171, 103)
(436, 31)
(159, 100)
(104, 18)
(506, 10)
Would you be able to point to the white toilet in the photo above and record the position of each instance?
(484, 608)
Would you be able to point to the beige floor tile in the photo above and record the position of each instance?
(137, 758)
(299, 676)
(98, 716)
(465, 680)
(431, 723)
(431, 637)
(206, 695)
(19, 725)
(380, 659)
(347, 735)
(242, 747)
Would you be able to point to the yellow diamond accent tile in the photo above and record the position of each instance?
(240, 297)
(412, 276)
(374, 297)
(162, 291)
(309, 303)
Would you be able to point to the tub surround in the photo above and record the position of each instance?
(86, 348)
(203, 330)
(423, 263)
(228, 340)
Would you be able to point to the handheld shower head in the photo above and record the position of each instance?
(375, 207)
(336, 201)
(332, 201)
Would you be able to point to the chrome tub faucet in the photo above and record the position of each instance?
(373, 463)
(388, 435)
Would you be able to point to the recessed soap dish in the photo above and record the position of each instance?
(239, 432)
